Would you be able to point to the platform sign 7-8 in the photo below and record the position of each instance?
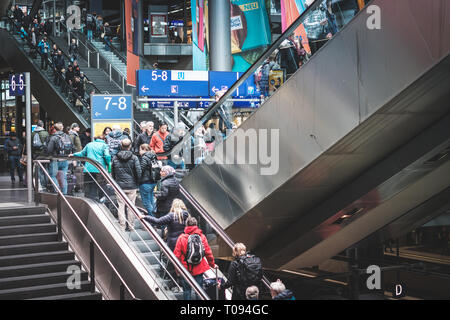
(111, 107)
(121, 104)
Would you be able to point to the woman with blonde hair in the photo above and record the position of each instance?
(175, 221)
(236, 272)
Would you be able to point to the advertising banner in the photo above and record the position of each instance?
(132, 33)
(199, 12)
(250, 31)
(290, 11)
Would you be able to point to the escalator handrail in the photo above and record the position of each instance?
(217, 228)
(250, 71)
(60, 194)
(36, 49)
(162, 245)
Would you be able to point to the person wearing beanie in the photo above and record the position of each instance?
(176, 158)
(75, 138)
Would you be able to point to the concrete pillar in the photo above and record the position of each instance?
(220, 35)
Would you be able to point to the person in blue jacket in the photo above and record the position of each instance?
(278, 291)
(97, 150)
(44, 48)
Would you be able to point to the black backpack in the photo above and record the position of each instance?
(195, 251)
(65, 145)
(250, 270)
(156, 170)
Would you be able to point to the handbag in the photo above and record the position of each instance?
(23, 160)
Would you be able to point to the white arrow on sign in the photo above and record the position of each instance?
(98, 114)
(153, 103)
(144, 88)
(214, 89)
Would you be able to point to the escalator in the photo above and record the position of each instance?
(359, 139)
(57, 100)
(135, 263)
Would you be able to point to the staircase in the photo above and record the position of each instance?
(33, 263)
(111, 57)
(97, 76)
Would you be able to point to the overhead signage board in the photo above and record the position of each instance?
(172, 83)
(110, 110)
(112, 107)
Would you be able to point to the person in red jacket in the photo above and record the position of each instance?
(157, 141)
(180, 252)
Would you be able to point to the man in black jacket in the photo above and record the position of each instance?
(126, 170)
(145, 137)
(59, 144)
(59, 65)
(176, 157)
(169, 190)
(13, 147)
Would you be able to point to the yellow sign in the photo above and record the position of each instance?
(100, 126)
(276, 79)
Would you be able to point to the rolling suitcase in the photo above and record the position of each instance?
(211, 288)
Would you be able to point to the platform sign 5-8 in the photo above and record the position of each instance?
(16, 85)
(172, 83)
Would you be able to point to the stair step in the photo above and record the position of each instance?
(30, 269)
(28, 238)
(146, 246)
(39, 280)
(20, 220)
(21, 211)
(41, 291)
(152, 257)
(144, 235)
(27, 229)
(34, 258)
(74, 296)
(32, 248)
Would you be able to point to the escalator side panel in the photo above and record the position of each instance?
(350, 84)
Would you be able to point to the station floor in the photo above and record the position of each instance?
(10, 193)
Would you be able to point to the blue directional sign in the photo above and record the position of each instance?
(112, 107)
(181, 104)
(223, 80)
(17, 84)
(172, 83)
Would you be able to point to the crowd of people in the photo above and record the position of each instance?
(137, 168)
(66, 74)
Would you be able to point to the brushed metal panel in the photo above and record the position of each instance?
(358, 91)
(124, 260)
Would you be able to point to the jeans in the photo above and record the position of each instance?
(89, 35)
(42, 176)
(91, 187)
(14, 163)
(44, 61)
(56, 166)
(106, 40)
(187, 288)
(124, 215)
(180, 165)
(146, 191)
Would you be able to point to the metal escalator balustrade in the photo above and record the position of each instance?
(345, 119)
(41, 170)
(147, 245)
